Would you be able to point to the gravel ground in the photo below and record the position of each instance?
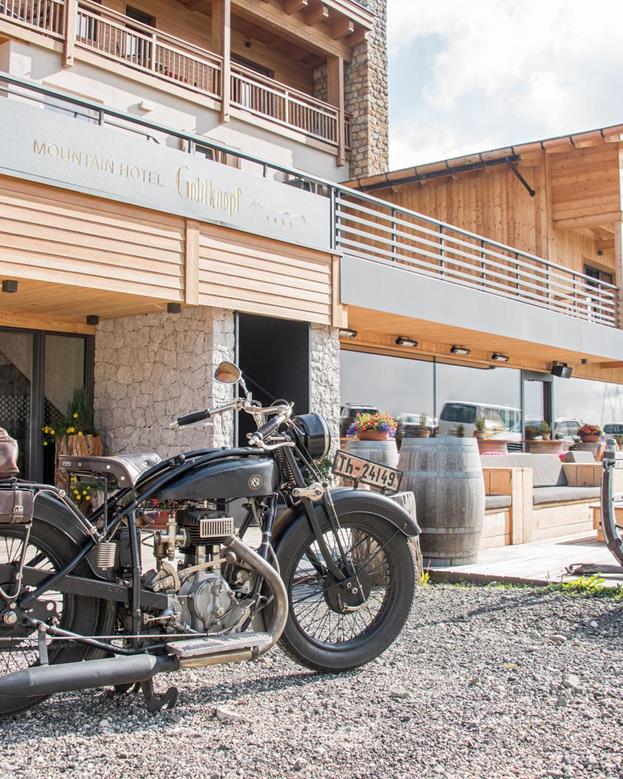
(483, 683)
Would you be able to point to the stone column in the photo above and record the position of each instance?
(366, 97)
(324, 361)
(151, 368)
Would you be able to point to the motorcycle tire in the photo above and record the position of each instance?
(83, 615)
(303, 644)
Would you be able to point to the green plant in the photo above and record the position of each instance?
(546, 428)
(382, 422)
(532, 432)
(423, 420)
(480, 424)
(325, 466)
(589, 587)
(424, 579)
(79, 420)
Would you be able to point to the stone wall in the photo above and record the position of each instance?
(324, 360)
(366, 97)
(151, 368)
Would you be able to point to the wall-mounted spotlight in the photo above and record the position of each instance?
(92, 319)
(8, 285)
(174, 308)
(460, 350)
(346, 332)
(499, 357)
(562, 370)
(404, 340)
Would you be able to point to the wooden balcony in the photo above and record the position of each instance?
(118, 38)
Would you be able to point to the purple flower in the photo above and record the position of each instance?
(351, 429)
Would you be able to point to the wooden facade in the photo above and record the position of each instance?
(75, 254)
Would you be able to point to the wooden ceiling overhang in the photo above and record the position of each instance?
(377, 332)
(308, 30)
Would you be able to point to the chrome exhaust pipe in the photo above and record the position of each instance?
(64, 677)
(275, 582)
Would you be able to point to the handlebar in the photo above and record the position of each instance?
(265, 430)
(189, 419)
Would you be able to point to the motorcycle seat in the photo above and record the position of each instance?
(123, 468)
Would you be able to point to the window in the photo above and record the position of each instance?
(138, 47)
(598, 274)
(140, 16)
(254, 66)
(86, 26)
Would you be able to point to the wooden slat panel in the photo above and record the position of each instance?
(261, 276)
(65, 237)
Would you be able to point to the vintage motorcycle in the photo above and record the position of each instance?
(332, 579)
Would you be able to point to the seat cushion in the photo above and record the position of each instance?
(497, 502)
(561, 494)
(546, 468)
(580, 457)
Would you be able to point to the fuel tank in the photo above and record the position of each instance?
(238, 477)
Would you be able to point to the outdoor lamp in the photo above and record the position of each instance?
(346, 332)
(499, 357)
(404, 340)
(460, 350)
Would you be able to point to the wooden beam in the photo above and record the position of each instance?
(221, 39)
(69, 45)
(294, 6)
(319, 12)
(588, 220)
(10, 319)
(335, 96)
(293, 27)
(342, 28)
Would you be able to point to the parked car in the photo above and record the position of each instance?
(349, 412)
(410, 426)
(613, 429)
(564, 428)
(500, 421)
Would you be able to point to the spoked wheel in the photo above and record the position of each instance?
(612, 525)
(47, 550)
(334, 625)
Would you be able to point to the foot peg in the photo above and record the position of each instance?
(220, 649)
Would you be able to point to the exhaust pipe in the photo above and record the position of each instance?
(50, 679)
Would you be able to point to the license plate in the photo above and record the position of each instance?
(366, 472)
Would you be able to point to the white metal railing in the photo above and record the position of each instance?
(268, 98)
(45, 16)
(378, 231)
(122, 39)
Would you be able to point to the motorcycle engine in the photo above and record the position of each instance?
(188, 551)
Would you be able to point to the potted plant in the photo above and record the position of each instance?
(531, 432)
(422, 430)
(590, 434)
(546, 431)
(480, 425)
(374, 427)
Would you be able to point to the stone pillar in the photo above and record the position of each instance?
(366, 97)
(151, 368)
(324, 361)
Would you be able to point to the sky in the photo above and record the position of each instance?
(475, 75)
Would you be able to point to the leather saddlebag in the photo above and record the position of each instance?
(8, 455)
(16, 506)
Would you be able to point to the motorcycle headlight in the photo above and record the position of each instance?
(315, 435)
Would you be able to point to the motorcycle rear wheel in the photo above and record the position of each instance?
(48, 550)
(320, 633)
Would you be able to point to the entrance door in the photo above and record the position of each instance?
(536, 403)
(39, 374)
(273, 355)
(16, 385)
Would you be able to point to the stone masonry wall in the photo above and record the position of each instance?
(324, 349)
(151, 368)
(366, 97)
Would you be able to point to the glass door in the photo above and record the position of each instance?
(536, 405)
(16, 385)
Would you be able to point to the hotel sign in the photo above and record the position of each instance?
(52, 148)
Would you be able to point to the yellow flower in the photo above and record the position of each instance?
(80, 432)
(88, 497)
(51, 431)
(45, 443)
(75, 415)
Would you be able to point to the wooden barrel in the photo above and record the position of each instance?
(445, 474)
(384, 452)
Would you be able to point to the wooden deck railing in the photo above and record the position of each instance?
(378, 231)
(265, 97)
(45, 16)
(122, 39)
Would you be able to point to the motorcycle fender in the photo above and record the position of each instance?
(50, 510)
(348, 501)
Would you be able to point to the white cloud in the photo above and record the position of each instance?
(505, 71)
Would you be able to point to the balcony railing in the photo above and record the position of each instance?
(375, 230)
(384, 233)
(42, 15)
(141, 47)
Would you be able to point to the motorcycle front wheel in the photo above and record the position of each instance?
(335, 626)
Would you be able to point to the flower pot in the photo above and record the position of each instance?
(489, 445)
(545, 446)
(546, 436)
(372, 435)
(421, 432)
(590, 439)
(76, 445)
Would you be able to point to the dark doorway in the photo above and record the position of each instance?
(273, 355)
